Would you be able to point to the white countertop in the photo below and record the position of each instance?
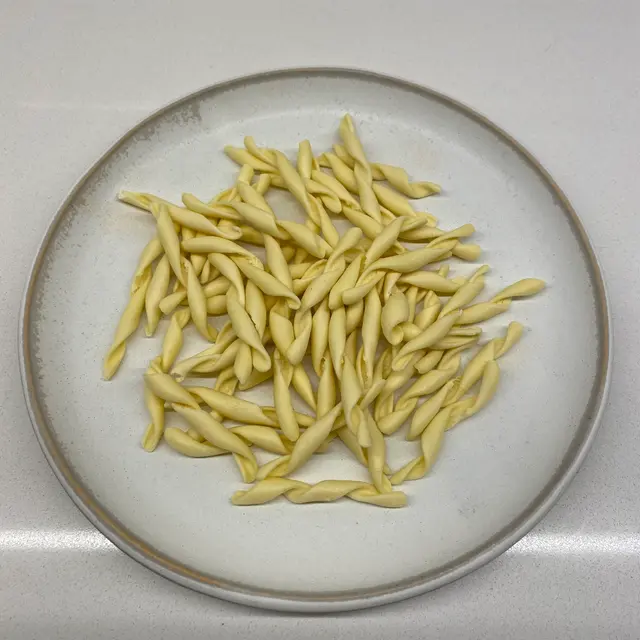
(561, 77)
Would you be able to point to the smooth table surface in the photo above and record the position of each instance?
(561, 77)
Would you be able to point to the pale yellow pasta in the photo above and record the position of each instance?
(212, 210)
(322, 284)
(230, 271)
(305, 238)
(183, 443)
(260, 220)
(150, 253)
(383, 242)
(198, 222)
(447, 418)
(410, 260)
(429, 280)
(281, 327)
(450, 342)
(198, 304)
(352, 393)
(155, 408)
(427, 411)
(346, 281)
(370, 333)
(164, 386)
(483, 311)
(328, 198)
(262, 184)
(399, 180)
(246, 331)
(343, 173)
(232, 407)
(286, 416)
(173, 339)
(327, 390)
(302, 384)
(361, 170)
(277, 262)
(213, 432)
(320, 335)
(169, 240)
(267, 283)
(263, 437)
(393, 382)
(393, 201)
(335, 187)
(325, 491)
(225, 338)
(354, 316)
(128, 323)
(295, 183)
(242, 157)
(265, 155)
(320, 293)
(520, 289)
(251, 195)
(463, 296)
(337, 339)
(156, 291)
(210, 244)
(429, 337)
(425, 385)
(307, 444)
(491, 351)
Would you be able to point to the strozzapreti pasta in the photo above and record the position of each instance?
(364, 324)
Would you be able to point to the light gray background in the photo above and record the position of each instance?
(561, 77)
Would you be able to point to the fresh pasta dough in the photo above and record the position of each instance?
(369, 333)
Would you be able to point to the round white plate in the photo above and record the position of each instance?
(499, 472)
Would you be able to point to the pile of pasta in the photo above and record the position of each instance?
(365, 326)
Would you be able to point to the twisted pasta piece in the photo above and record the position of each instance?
(211, 355)
(428, 338)
(286, 416)
(246, 331)
(127, 325)
(165, 387)
(305, 446)
(156, 291)
(335, 186)
(155, 407)
(370, 333)
(213, 432)
(265, 155)
(361, 170)
(181, 442)
(399, 179)
(242, 157)
(302, 384)
(169, 240)
(325, 491)
(198, 304)
(173, 339)
(447, 418)
(427, 384)
(232, 407)
(320, 335)
(493, 350)
(352, 394)
(337, 339)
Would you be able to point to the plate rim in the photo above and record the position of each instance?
(163, 565)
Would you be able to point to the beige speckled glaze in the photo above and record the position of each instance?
(499, 472)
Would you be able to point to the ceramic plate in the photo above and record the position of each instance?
(499, 472)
